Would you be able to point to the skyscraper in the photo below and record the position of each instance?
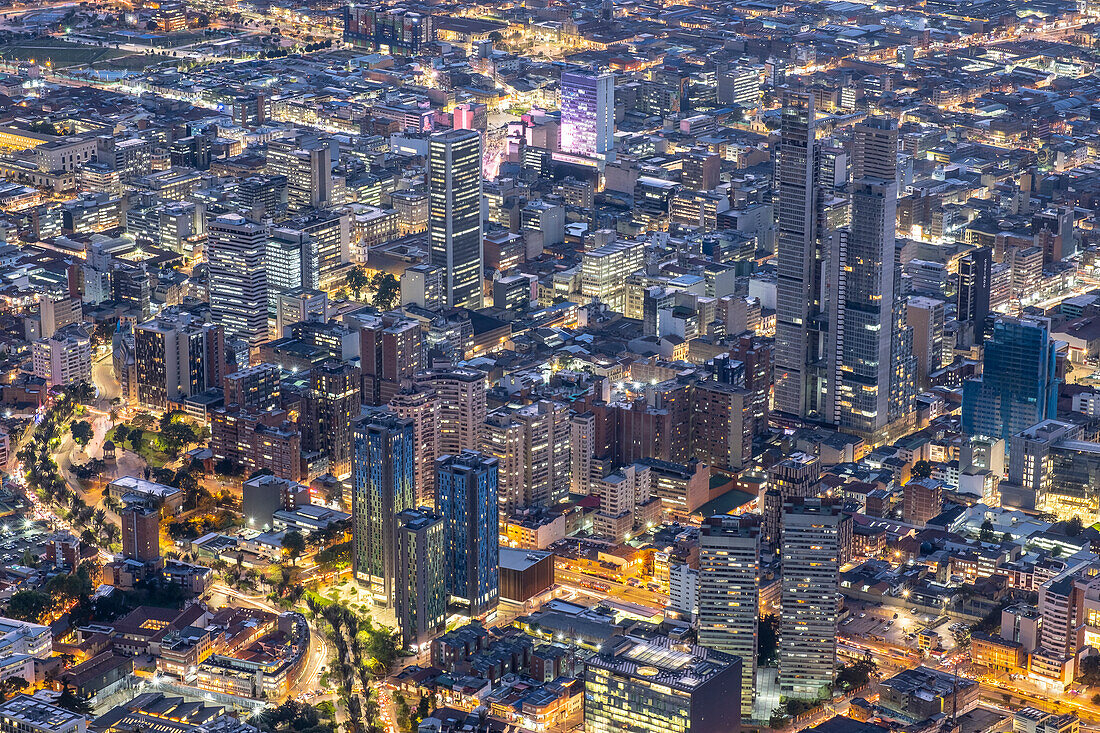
(454, 214)
(800, 381)
(236, 250)
(420, 588)
(291, 262)
(308, 171)
(328, 408)
(467, 488)
(176, 356)
(382, 488)
(810, 596)
(587, 113)
(461, 394)
(871, 368)
(729, 594)
(973, 299)
(1018, 386)
(422, 407)
(532, 445)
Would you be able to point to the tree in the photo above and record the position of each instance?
(358, 281)
(151, 25)
(121, 433)
(82, 432)
(29, 605)
(72, 702)
(856, 675)
(1074, 527)
(985, 534)
(136, 436)
(1089, 673)
(294, 544)
(388, 290)
(921, 469)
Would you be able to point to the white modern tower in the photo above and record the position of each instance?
(236, 251)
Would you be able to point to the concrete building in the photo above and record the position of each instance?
(462, 406)
(532, 445)
(328, 409)
(811, 538)
(587, 113)
(64, 358)
(177, 356)
(420, 595)
(729, 596)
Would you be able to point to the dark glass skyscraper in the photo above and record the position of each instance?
(454, 214)
(467, 498)
(798, 306)
(383, 487)
(1018, 386)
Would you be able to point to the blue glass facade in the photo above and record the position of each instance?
(467, 492)
(383, 487)
(1018, 386)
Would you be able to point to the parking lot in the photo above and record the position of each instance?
(892, 624)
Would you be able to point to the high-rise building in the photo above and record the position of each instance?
(797, 475)
(810, 596)
(64, 358)
(973, 294)
(532, 445)
(258, 387)
(926, 317)
(382, 488)
(800, 312)
(1056, 471)
(454, 215)
(466, 485)
(176, 356)
(729, 593)
(587, 113)
(395, 30)
(462, 406)
(257, 440)
(291, 262)
(656, 684)
(308, 171)
(237, 250)
(422, 407)
(390, 351)
(870, 368)
(604, 271)
(739, 85)
(420, 588)
(328, 408)
(141, 533)
(1019, 383)
(330, 236)
(758, 355)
